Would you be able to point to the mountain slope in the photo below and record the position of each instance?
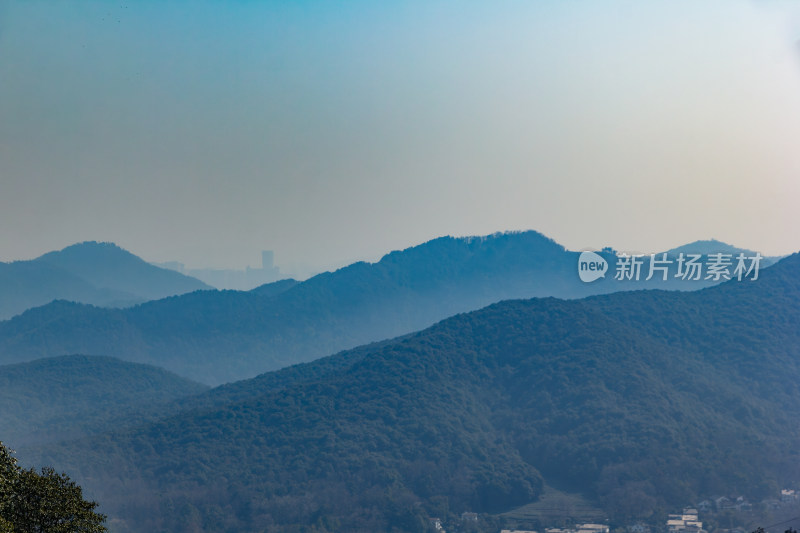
(107, 266)
(70, 396)
(275, 287)
(222, 336)
(27, 284)
(713, 246)
(638, 400)
(92, 273)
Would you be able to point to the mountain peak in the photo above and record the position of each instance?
(98, 273)
(89, 249)
(709, 246)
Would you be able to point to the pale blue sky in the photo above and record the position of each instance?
(335, 131)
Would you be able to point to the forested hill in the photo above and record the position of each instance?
(70, 396)
(220, 336)
(637, 400)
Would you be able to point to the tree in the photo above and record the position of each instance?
(43, 502)
(8, 474)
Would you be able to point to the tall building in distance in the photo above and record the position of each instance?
(266, 274)
(238, 280)
(267, 259)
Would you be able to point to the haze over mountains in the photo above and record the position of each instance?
(638, 400)
(71, 396)
(219, 336)
(94, 273)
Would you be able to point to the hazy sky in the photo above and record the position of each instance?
(333, 131)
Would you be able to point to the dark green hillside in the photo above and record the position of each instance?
(639, 401)
(70, 396)
(274, 382)
(758, 318)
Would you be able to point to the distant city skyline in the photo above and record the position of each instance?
(243, 279)
(205, 132)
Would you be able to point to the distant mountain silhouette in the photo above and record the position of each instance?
(276, 287)
(713, 246)
(638, 400)
(222, 336)
(94, 273)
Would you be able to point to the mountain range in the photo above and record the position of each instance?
(221, 336)
(639, 401)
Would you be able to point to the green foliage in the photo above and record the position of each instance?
(51, 502)
(43, 502)
(8, 475)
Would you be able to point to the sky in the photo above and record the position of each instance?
(329, 132)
